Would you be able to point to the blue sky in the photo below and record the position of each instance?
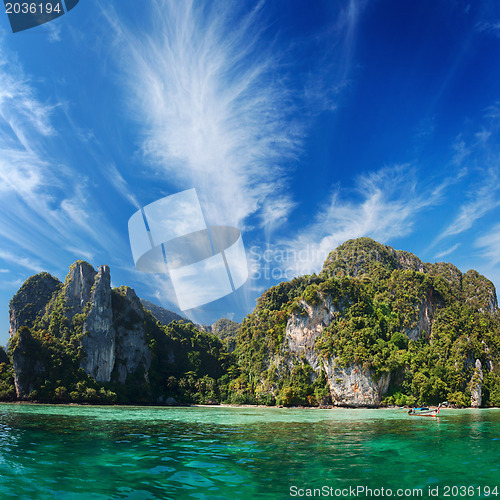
(300, 125)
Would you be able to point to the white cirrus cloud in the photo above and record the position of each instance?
(446, 252)
(388, 201)
(219, 102)
(490, 244)
(45, 204)
(482, 198)
(27, 263)
(489, 27)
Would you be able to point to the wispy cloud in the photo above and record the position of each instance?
(218, 101)
(442, 254)
(80, 252)
(120, 184)
(483, 198)
(489, 27)
(54, 31)
(30, 264)
(479, 152)
(275, 213)
(387, 203)
(490, 243)
(10, 284)
(45, 203)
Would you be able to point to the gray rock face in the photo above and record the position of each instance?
(114, 338)
(353, 386)
(113, 334)
(78, 287)
(99, 333)
(349, 386)
(423, 325)
(30, 300)
(476, 385)
(132, 350)
(26, 371)
(480, 292)
(406, 260)
(302, 330)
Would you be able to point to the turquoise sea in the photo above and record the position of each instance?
(93, 452)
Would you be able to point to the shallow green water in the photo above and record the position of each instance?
(208, 453)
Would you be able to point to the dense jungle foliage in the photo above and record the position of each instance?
(424, 325)
(377, 297)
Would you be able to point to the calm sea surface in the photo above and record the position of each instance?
(77, 452)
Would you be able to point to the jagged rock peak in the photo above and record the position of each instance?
(132, 348)
(30, 300)
(164, 316)
(479, 292)
(78, 286)
(99, 339)
(364, 256)
(131, 299)
(360, 256)
(101, 288)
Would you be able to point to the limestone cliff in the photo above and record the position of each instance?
(377, 324)
(476, 385)
(78, 288)
(112, 334)
(26, 370)
(132, 351)
(422, 318)
(31, 299)
(99, 334)
(349, 385)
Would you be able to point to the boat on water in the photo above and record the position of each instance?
(425, 412)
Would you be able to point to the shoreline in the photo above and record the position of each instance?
(247, 406)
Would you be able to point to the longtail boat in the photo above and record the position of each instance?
(424, 412)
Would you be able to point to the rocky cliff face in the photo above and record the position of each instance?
(304, 328)
(131, 349)
(349, 386)
(479, 292)
(99, 339)
(355, 386)
(476, 385)
(423, 322)
(26, 370)
(377, 324)
(31, 299)
(113, 335)
(78, 288)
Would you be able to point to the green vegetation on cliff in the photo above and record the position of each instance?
(388, 313)
(376, 326)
